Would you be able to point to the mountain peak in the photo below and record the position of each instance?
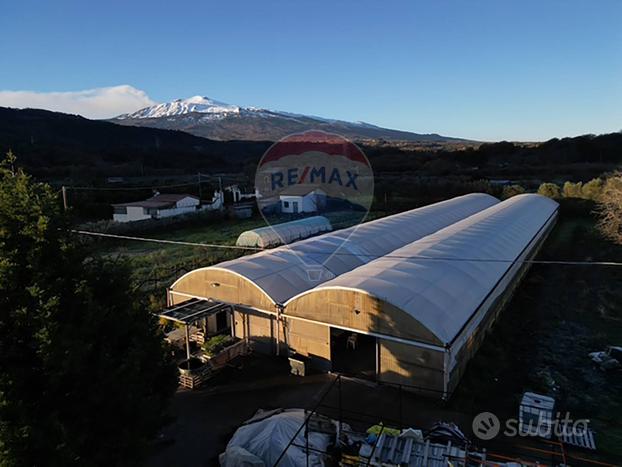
(203, 116)
(194, 104)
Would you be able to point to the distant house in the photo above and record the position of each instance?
(302, 199)
(238, 194)
(156, 207)
(115, 180)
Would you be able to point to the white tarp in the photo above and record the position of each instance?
(264, 437)
(441, 279)
(289, 270)
(287, 232)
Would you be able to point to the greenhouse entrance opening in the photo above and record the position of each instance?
(353, 353)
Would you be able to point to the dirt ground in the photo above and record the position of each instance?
(205, 420)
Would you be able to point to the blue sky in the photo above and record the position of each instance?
(487, 70)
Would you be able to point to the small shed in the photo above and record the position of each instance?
(297, 199)
(287, 232)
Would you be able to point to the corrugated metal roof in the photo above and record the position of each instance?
(287, 232)
(441, 279)
(287, 271)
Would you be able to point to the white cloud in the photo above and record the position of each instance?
(91, 103)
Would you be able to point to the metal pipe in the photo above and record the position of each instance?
(187, 342)
(278, 330)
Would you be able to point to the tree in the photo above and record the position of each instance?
(610, 208)
(512, 190)
(85, 377)
(592, 189)
(551, 190)
(572, 190)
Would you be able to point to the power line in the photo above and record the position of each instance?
(130, 188)
(170, 242)
(337, 253)
(199, 175)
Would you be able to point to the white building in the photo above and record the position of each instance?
(216, 204)
(238, 195)
(302, 198)
(156, 207)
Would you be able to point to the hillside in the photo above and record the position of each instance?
(202, 116)
(52, 143)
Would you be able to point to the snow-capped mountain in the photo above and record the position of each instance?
(202, 116)
(198, 104)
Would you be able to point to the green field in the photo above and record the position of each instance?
(155, 266)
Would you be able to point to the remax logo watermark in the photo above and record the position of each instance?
(328, 166)
(314, 174)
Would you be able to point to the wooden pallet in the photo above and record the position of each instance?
(407, 451)
(194, 379)
(198, 337)
(223, 357)
(580, 438)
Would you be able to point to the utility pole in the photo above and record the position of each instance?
(199, 182)
(222, 194)
(64, 191)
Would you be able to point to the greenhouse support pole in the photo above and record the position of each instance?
(187, 342)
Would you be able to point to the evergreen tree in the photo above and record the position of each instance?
(85, 376)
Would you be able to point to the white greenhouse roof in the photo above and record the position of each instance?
(287, 232)
(442, 279)
(284, 272)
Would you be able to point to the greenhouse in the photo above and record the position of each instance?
(258, 285)
(428, 305)
(282, 234)
(403, 299)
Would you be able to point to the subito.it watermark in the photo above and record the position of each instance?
(487, 426)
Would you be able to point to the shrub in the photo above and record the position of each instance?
(511, 190)
(550, 190)
(215, 344)
(572, 190)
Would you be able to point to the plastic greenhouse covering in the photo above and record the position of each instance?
(261, 440)
(287, 232)
(450, 273)
(286, 271)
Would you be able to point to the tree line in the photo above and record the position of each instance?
(85, 374)
(605, 192)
